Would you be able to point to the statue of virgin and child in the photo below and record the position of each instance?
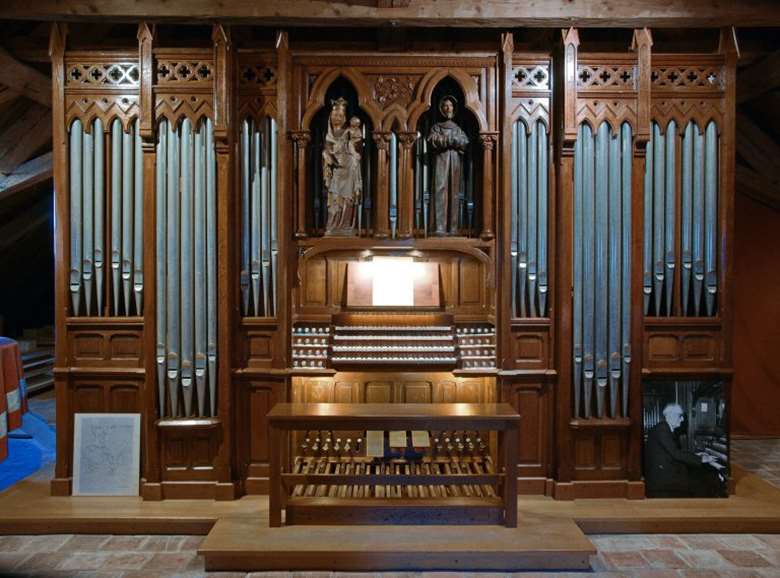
(341, 156)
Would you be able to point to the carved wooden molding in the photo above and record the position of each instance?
(531, 110)
(614, 112)
(703, 77)
(531, 77)
(174, 107)
(107, 107)
(682, 110)
(103, 74)
(257, 107)
(620, 77)
(184, 71)
(395, 100)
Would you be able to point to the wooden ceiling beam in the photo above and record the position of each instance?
(25, 223)
(24, 79)
(423, 13)
(24, 137)
(758, 78)
(27, 175)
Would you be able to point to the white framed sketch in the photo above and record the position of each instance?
(106, 454)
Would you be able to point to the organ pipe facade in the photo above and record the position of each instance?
(602, 271)
(90, 173)
(681, 183)
(186, 269)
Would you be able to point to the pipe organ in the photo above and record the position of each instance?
(249, 217)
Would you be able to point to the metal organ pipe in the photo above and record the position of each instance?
(76, 223)
(393, 184)
(99, 204)
(211, 264)
(199, 242)
(602, 270)
(522, 211)
(626, 156)
(87, 188)
(711, 214)
(530, 229)
(542, 214)
(659, 215)
(602, 288)
(172, 267)
(273, 220)
(116, 212)
(138, 222)
(698, 218)
(670, 247)
(127, 217)
(588, 248)
(686, 215)
(161, 259)
(185, 212)
(694, 172)
(245, 230)
(265, 218)
(187, 262)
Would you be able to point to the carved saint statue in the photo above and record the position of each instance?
(341, 169)
(448, 142)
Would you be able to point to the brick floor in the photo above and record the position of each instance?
(628, 556)
(619, 556)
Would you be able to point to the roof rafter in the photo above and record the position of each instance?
(491, 13)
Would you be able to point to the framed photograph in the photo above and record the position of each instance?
(106, 454)
(686, 441)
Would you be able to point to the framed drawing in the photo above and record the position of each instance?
(686, 444)
(106, 454)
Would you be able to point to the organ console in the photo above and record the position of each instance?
(450, 472)
(427, 341)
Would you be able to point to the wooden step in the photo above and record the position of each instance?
(40, 383)
(246, 543)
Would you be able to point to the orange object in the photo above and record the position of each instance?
(11, 402)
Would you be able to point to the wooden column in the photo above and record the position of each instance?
(151, 475)
(567, 136)
(226, 256)
(61, 484)
(642, 43)
(284, 198)
(382, 199)
(503, 206)
(728, 47)
(406, 184)
(488, 140)
(301, 140)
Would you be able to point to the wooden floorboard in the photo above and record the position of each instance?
(27, 508)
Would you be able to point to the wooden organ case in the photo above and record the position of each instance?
(200, 281)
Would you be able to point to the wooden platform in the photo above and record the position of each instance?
(245, 543)
(27, 508)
